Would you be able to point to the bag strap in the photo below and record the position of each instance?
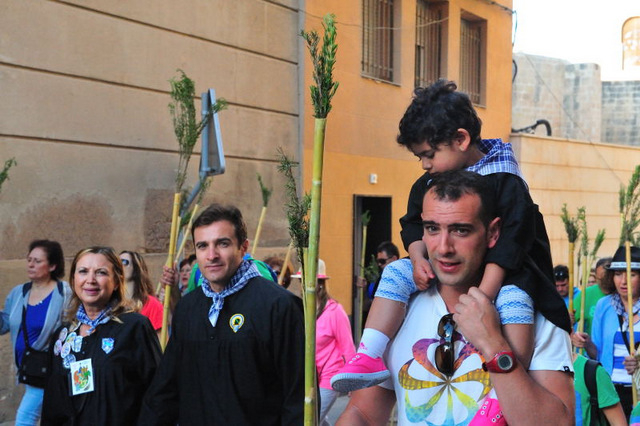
(24, 328)
(590, 368)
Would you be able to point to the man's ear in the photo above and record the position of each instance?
(244, 247)
(462, 140)
(493, 232)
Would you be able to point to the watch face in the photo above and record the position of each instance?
(505, 362)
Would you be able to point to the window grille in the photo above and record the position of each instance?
(471, 59)
(377, 39)
(428, 43)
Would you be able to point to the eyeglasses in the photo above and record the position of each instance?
(445, 355)
(382, 261)
(125, 262)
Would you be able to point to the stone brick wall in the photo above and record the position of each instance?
(621, 112)
(576, 102)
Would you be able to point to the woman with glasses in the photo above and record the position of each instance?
(35, 307)
(139, 288)
(105, 354)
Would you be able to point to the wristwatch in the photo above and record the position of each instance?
(502, 362)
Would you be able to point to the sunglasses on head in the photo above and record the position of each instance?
(125, 262)
(445, 355)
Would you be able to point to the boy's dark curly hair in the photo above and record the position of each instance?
(435, 115)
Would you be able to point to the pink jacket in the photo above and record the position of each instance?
(334, 343)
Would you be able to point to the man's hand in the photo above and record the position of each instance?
(580, 339)
(478, 320)
(361, 282)
(169, 276)
(630, 364)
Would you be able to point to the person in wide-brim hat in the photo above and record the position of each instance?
(608, 342)
(619, 261)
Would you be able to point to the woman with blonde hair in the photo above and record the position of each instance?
(105, 354)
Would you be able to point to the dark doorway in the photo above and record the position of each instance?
(378, 230)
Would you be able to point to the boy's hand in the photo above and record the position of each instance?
(422, 273)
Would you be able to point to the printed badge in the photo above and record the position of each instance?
(57, 347)
(63, 334)
(107, 344)
(81, 377)
(235, 322)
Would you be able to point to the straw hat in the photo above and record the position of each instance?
(321, 273)
(619, 261)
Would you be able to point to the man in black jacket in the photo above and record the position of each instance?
(236, 352)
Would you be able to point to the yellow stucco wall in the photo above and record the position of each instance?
(577, 173)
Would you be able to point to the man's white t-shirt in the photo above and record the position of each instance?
(425, 395)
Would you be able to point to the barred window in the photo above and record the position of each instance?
(472, 57)
(377, 39)
(429, 29)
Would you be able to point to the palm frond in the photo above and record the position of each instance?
(186, 126)
(4, 174)
(297, 207)
(629, 204)
(323, 63)
(266, 192)
(570, 224)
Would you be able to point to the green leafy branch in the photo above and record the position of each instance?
(297, 207)
(185, 124)
(570, 224)
(323, 63)
(266, 192)
(629, 203)
(4, 174)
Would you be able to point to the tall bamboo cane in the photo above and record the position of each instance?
(365, 219)
(285, 264)
(266, 194)
(187, 130)
(321, 94)
(629, 202)
(571, 227)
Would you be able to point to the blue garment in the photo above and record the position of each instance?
(30, 408)
(576, 293)
(605, 334)
(36, 315)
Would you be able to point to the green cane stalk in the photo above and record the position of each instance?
(629, 203)
(588, 256)
(187, 129)
(571, 227)
(4, 173)
(322, 92)
(266, 194)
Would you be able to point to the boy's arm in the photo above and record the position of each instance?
(422, 271)
(411, 222)
(492, 280)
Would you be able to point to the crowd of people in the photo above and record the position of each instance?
(470, 328)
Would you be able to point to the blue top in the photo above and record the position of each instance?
(36, 315)
(606, 336)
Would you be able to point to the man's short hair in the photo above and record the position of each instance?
(560, 272)
(435, 115)
(218, 212)
(605, 261)
(451, 185)
(389, 248)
